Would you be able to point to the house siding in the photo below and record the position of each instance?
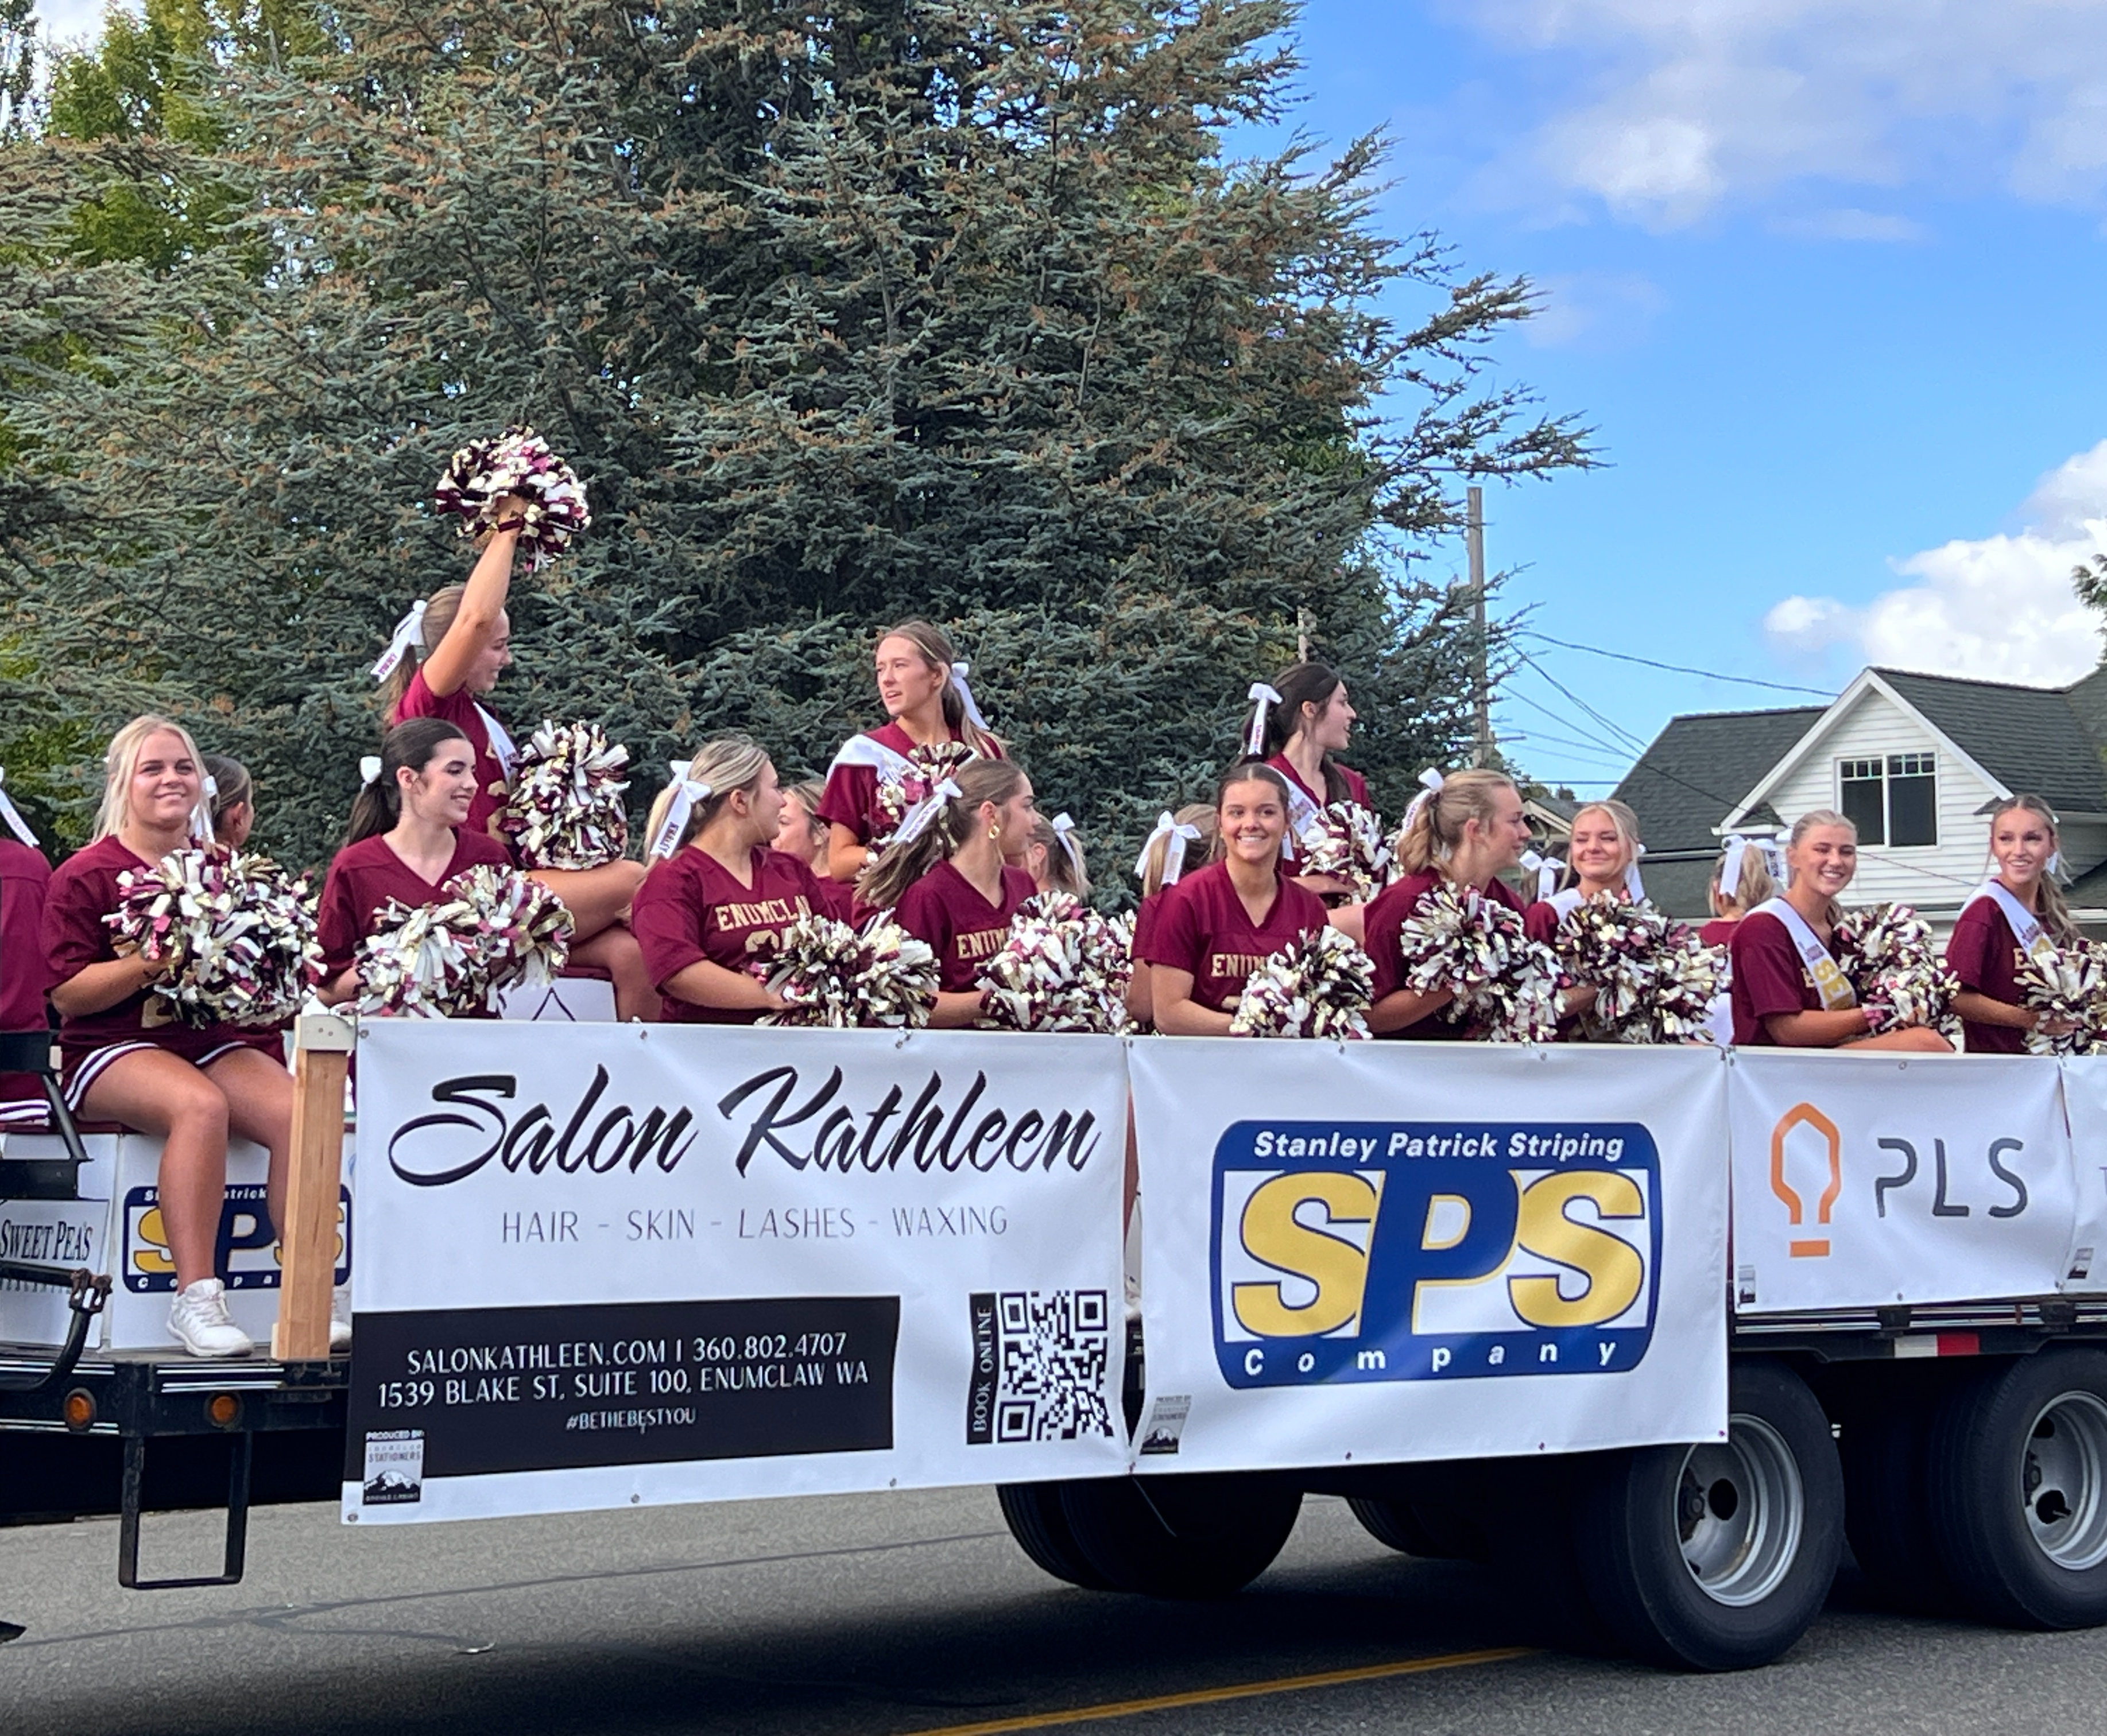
(1935, 877)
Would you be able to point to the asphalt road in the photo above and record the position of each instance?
(876, 1615)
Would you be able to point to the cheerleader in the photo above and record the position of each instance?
(1218, 925)
(719, 891)
(25, 876)
(233, 799)
(1184, 841)
(1788, 990)
(409, 836)
(1740, 881)
(447, 654)
(1602, 858)
(1054, 859)
(2019, 912)
(1298, 722)
(953, 877)
(124, 1060)
(923, 691)
(1466, 830)
(804, 836)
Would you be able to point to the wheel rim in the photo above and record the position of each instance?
(1738, 1510)
(2061, 1475)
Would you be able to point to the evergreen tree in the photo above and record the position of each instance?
(900, 308)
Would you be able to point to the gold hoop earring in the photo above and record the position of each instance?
(994, 834)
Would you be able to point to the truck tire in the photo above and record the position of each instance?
(1718, 1556)
(2018, 1490)
(1394, 1524)
(1205, 1536)
(1887, 1496)
(1033, 1513)
(1436, 1511)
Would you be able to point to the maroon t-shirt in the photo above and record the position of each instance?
(850, 797)
(1719, 931)
(1768, 977)
(82, 892)
(946, 911)
(1146, 918)
(366, 875)
(1384, 927)
(691, 908)
(23, 875)
(1357, 786)
(1204, 928)
(1985, 953)
(459, 708)
(837, 897)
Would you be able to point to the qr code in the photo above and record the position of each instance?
(1040, 1363)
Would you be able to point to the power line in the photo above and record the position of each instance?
(1679, 668)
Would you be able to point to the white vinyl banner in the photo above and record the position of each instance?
(2085, 1110)
(1362, 1253)
(1869, 1179)
(607, 1265)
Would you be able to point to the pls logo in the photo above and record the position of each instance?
(1421, 1250)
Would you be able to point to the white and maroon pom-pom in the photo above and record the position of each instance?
(565, 809)
(1318, 985)
(898, 796)
(1654, 982)
(1477, 949)
(2067, 988)
(1345, 842)
(518, 462)
(1901, 976)
(492, 929)
(829, 975)
(1065, 967)
(236, 932)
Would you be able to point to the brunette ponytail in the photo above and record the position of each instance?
(902, 864)
(410, 743)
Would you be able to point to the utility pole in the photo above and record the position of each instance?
(1474, 536)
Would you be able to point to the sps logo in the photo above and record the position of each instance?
(1420, 1250)
(245, 1255)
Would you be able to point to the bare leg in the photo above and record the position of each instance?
(597, 898)
(1916, 1040)
(154, 1091)
(615, 951)
(260, 1106)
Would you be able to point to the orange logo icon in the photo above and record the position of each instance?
(1806, 1115)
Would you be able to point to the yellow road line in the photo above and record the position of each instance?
(1236, 1691)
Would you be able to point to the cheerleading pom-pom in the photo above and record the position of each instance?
(1317, 986)
(1654, 982)
(2069, 988)
(899, 795)
(235, 933)
(490, 929)
(565, 809)
(518, 463)
(1896, 969)
(1345, 842)
(1476, 948)
(1064, 967)
(829, 974)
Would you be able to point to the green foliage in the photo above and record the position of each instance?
(848, 314)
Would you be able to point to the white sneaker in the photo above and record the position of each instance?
(340, 1319)
(200, 1323)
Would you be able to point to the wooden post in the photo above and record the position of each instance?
(314, 1170)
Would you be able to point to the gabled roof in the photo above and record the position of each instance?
(1700, 766)
(2026, 737)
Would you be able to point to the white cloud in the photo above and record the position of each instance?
(1999, 608)
(1664, 110)
(1594, 310)
(1848, 223)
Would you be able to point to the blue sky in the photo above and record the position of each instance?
(1824, 274)
(1826, 278)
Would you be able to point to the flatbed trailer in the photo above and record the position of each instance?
(1959, 1445)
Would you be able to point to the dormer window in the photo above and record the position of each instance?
(1892, 800)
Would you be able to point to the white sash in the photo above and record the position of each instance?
(1302, 813)
(500, 742)
(2033, 939)
(1567, 902)
(868, 751)
(1830, 982)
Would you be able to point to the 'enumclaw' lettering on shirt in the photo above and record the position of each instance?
(767, 912)
(1233, 964)
(982, 943)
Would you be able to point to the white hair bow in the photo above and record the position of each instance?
(1635, 886)
(959, 670)
(1175, 837)
(12, 816)
(1429, 787)
(408, 631)
(369, 769)
(686, 791)
(201, 815)
(1063, 829)
(1547, 870)
(1263, 698)
(918, 816)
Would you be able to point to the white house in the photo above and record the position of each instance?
(1917, 760)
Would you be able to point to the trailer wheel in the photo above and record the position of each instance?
(1887, 1497)
(2019, 1485)
(1718, 1556)
(1205, 1536)
(1394, 1525)
(1033, 1513)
